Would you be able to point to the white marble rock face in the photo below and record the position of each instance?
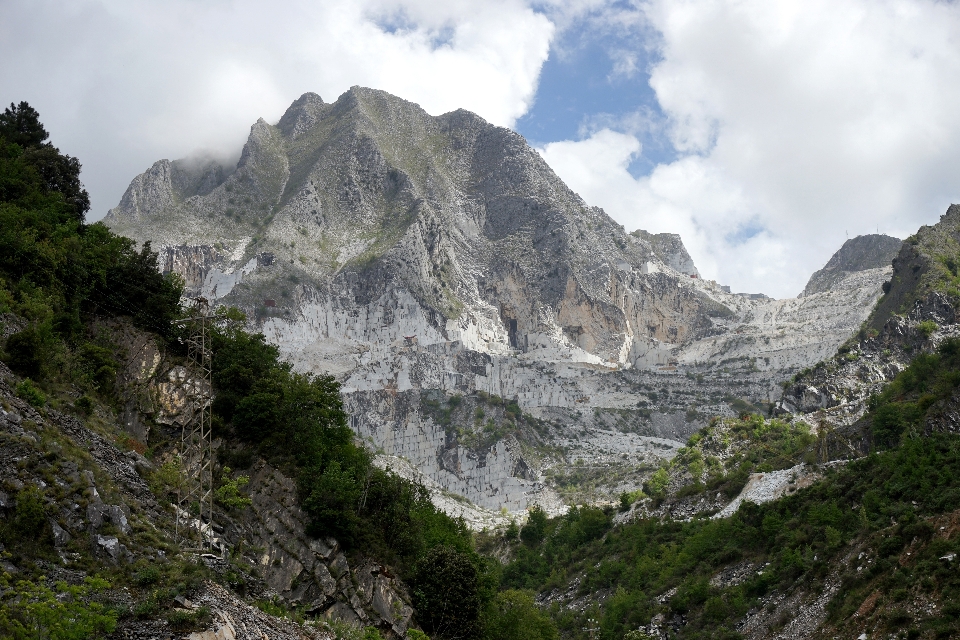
(402, 253)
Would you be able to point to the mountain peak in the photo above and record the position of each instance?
(301, 115)
(871, 251)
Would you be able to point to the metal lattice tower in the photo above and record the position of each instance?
(195, 494)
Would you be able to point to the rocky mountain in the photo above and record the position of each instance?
(863, 253)
(495, 335)
(915, 315)
(669, 248)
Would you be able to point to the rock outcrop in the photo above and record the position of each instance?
(108, 505)
(917, 312)
(669, 248)
(408, 254)
(863, 253)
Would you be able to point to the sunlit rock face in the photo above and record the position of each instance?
(406, 253)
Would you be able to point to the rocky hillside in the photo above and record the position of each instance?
(99, 536)
(107, 512)
(862, 253)
(785, 527)
(916, 314)
(410, 254)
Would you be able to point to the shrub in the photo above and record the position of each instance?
(345, 631)
(182, 620)
(447, 595)
(97, 365)
(228, 493)
(513, 615)
(28, 391)
(29, 522)
(84, 405)
(28, 351)
(927, 327)
(31, 611)
(167, 478)
(657, 483)
(147, 576)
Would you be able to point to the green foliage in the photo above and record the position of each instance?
(513, 615)
(416, 634)
(96, 365)
(40, 165)
(28, 391)
(562, 536)
(29, 351)
(534, 530)
(657, 484)
(754, 444)
(914, 395)
(926, 328)
(181, 620)
(28, 526)
(273, 607)
(20, 124)
(447, 593)
(56, 271)
(30, 611)
(84, 405)
(147, 576)
(162, 583)
(167, 478)
(801, 536)
(345, 631)
(228, 493)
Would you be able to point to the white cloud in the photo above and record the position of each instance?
(796, 122)
(120, 84)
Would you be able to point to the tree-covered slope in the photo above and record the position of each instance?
(97, 392)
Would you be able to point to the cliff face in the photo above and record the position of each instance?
(915, 314)
(862, 253)
(370, 197)
(669, 248)
(407, 254)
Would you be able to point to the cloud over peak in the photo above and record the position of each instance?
(121, 84)
(794, 122)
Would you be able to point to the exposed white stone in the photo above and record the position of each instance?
(414, 253)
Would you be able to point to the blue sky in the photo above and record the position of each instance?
(581, 90)
(761, 131)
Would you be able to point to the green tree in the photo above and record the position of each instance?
(447, 594)
(60, 173)
(657, 483)
(513, 615)
(534, 530)
(20, 124)
(228, 493)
